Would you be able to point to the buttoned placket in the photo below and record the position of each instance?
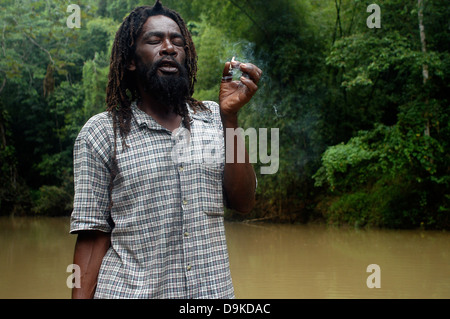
(181, 170)
(186, 234)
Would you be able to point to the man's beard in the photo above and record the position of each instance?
(171, 90)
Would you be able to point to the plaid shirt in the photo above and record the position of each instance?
(166, 222)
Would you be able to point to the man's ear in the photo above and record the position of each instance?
(131, 66)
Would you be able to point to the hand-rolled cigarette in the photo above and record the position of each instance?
(236, 65)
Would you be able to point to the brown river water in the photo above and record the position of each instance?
(266, 260)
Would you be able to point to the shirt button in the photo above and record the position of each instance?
(181, 168)
(184, 201)
(188, 267)
(186, 234)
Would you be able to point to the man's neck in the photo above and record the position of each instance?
(163, 114)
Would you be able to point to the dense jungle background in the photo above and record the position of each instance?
(363, 112)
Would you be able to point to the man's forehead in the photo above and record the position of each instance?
(160, 23)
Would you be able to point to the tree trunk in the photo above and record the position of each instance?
(424, 50)
(3, 145)
(338, 21)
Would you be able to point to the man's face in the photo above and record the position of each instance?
(161, 40)
(160, 60)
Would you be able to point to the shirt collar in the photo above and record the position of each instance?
(143, 119)
(205, 116)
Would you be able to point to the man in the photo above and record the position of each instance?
(149, 225)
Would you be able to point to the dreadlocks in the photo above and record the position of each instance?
(122, 87)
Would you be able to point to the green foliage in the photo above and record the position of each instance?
(52, 201)
(350, 164)
(40, 84)
(390, 137)
(95, 80)
(386, 178)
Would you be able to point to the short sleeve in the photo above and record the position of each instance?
(91, 180)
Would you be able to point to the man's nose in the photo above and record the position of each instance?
(168, 48)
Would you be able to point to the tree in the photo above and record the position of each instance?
(40, 66)
(389, 82)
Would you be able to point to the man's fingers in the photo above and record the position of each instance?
(254, 73)
(252, 70)
(226, 69)
(250, 84)
(227, 76)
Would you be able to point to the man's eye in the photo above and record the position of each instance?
(153, 41)
(178, 42)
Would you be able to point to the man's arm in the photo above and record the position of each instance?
(239, 178)
(90, 248)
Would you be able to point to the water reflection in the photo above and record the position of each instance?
(267, 261)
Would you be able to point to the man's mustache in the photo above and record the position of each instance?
(165, 60)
